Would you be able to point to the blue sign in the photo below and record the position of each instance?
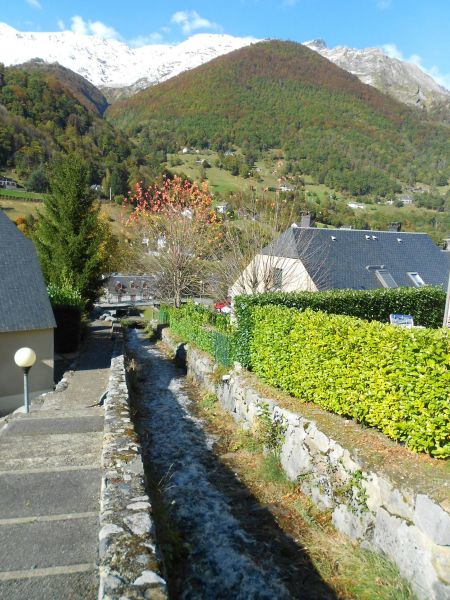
(403, 320)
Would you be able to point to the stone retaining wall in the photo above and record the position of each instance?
(128, 564)
(384, 513)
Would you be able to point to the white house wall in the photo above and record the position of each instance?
(295, 277)
(11, 376)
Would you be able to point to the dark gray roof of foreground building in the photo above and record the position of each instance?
(24, 302)
(339, 258)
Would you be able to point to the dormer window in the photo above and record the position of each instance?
(416, 279)
(385, 278)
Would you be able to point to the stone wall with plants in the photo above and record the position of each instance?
(401, 509)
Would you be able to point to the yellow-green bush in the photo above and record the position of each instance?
(391, 378)
(426, 304)
(208, 330)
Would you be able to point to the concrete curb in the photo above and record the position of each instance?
(128, 565)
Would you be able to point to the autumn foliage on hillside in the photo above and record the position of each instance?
(283, 95)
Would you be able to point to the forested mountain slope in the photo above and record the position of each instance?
(84, 91)
(42, 115)
(283, 95)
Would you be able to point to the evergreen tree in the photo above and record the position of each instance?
(69, 236)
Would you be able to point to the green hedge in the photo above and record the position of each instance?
(425, 304)
(210, 331)
(392, 378)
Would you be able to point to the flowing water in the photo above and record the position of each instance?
(219, 542)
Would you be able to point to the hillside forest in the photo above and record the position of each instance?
(272, 121)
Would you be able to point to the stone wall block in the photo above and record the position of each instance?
(355, 526)
(295, 457)
(440, 557)
(349, 463)
(396, 502)
(371, 484)
(433, 520)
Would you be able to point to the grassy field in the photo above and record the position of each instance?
(21, 208)
(268, 172)
(18, 208)
(19, 194)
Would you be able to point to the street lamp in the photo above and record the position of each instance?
(25, 358)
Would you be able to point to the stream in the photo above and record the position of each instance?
(218, 542)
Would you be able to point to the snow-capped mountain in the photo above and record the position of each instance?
(111, 63)
(402, 80)
(121, 71)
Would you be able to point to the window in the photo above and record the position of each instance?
(386, 278)
(417, 279)
(277, 278)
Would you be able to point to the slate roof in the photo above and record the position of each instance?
(24, 303)
(338, 258)
(140, 282)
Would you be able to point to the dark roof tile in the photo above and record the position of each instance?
(24, 303)
(338, 258)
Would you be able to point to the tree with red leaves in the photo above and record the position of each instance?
(180, 231)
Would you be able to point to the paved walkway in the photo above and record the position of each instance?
(50, 486)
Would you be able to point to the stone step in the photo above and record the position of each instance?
(53, 493)
(76, 581)
(57, 450)
(49, 543)
(52, 425)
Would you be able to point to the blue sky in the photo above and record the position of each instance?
(410, 29)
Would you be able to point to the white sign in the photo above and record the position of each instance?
(403, 320)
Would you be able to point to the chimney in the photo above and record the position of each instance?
(396, 226)
(308, 219)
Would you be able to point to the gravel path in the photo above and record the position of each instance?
(223, 559)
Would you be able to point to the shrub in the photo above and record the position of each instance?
(65, 295)
(425, 304)
(210, 331)
(387, 377)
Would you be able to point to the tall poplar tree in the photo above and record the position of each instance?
(69, 235)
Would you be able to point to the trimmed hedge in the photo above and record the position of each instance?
(210, 331)
(426, 304)
(391, 378)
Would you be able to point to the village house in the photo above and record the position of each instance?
(308, 258)
(26, 317)
(128, 288)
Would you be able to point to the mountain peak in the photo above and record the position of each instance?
(317, 44)
(7, 29)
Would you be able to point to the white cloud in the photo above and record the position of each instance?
(392, 51)
(434, 71)
(144, 40)
(34, 3)
(190, 20)
(97, 28)
(384, 4)
(61, 24)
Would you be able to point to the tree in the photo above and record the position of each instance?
(38, 182)
(180, 230)
(69, 236)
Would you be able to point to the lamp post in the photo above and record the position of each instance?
(25, 358)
